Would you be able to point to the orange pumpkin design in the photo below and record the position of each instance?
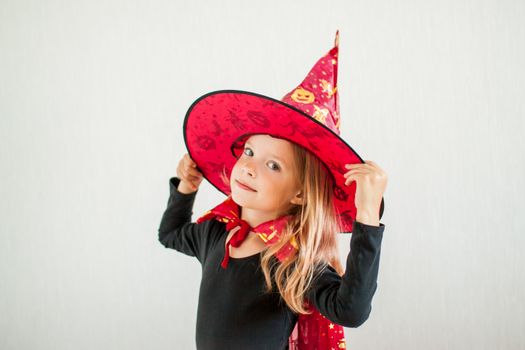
(301, 95)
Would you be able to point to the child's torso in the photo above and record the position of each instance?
(234, 310)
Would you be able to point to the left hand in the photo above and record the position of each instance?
(371, 183)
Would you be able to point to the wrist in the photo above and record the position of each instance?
(367, 219)
(185, 188)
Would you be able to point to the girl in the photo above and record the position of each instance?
(271, 274)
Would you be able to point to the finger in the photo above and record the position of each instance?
(350, 180)
(372, 164)
(186, 174)
(193, 178)
(183, 174)
(189, 165)
(359, 169)
(356, 171)
(194, 172)
(180, 171)
(185, 160)
(354, 177)
(356, 165)
(182, 162)
(189, 162)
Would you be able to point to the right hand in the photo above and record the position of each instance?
(190, 177)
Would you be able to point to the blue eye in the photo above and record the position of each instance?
(276, 167)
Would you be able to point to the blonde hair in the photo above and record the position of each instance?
(315, 225)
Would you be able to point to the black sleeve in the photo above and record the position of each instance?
(176, 231)
(347, 300)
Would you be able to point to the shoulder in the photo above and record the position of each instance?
(214, 229)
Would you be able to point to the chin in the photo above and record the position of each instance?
(234, 198)
(240, 199)
(237, 199)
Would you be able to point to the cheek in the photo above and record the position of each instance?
(234, 174)
(276, 186)
(286, 187)
(235, 168)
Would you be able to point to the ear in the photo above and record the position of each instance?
(297, 199)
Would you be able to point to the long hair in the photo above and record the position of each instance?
(315, 226)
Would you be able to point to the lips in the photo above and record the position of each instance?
(244, 186)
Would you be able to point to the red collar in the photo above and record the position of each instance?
(269, 231)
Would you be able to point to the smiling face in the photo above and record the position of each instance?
(267, 166)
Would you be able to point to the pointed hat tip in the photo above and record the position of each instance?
(336, 41)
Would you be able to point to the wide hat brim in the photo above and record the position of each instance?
(217, 124)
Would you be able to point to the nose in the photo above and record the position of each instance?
(248, 169)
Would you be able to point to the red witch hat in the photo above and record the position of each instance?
(218, 123)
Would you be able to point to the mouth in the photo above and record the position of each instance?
(244, 187)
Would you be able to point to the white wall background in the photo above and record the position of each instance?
(92, 100)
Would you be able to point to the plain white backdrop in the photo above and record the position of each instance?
(92, 99)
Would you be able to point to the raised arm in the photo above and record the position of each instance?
(347, 300)
(176, 231)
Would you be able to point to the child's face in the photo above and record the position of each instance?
(267, 166)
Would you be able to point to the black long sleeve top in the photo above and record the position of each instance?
(233, 310)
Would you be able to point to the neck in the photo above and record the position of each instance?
(256, 217)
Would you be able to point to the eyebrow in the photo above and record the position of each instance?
(247, 143)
